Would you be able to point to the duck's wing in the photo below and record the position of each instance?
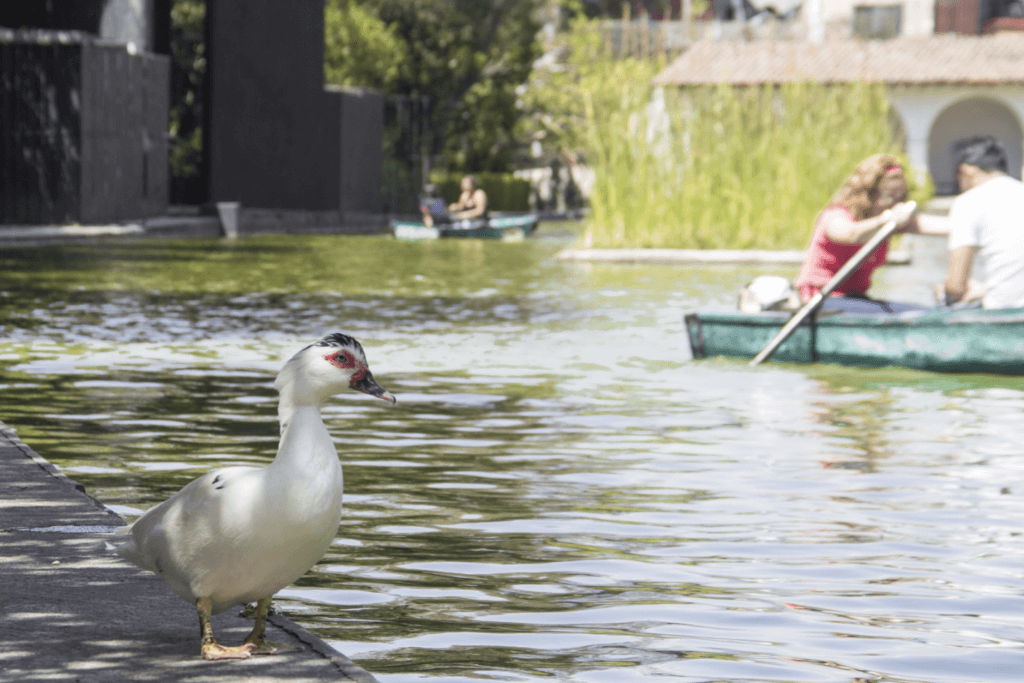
(164, 539)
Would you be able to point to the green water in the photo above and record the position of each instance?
(559, 492)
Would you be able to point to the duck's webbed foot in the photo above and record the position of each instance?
(264, 647)
(208, 647)
(212, 651)
(257, 640)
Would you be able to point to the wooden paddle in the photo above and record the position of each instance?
(839, 278)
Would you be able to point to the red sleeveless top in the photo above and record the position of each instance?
(824, 258)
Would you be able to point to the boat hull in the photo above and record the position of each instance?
(942, 341)
(502, 227)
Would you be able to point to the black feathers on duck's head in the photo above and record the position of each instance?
(331, 341)
(339, 340)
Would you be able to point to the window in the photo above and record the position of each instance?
(994, 9)
(877, 22)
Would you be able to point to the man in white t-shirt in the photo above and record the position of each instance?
(987, 219)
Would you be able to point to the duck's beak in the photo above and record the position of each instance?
(368, 385)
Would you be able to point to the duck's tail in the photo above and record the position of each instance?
(121, 542)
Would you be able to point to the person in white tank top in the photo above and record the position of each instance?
(987, 220)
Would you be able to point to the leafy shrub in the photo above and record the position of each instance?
(726, 167)
(504, 191)
(708, 167)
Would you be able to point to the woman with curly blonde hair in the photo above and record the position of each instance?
(873, 195)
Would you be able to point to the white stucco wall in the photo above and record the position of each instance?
(965, 111)
(918, 15)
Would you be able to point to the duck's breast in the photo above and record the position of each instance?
(280, 537)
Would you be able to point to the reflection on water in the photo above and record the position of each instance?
(559, 491)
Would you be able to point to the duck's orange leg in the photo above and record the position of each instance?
(208, 646)
(258, 638)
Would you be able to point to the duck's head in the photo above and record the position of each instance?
(328, 367)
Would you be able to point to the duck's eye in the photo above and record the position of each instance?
(340, 359)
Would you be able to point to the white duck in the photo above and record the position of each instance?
(240, 534)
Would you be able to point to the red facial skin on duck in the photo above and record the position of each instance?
(345, 361)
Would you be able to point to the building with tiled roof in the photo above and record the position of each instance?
(929, 60)
(944, 87)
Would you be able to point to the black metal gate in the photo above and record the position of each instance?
(407, 149)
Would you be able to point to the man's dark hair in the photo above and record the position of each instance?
(984, 152)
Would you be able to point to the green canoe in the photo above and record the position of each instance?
(498, 227)
(969, 340)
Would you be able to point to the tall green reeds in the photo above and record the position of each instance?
(721, 166)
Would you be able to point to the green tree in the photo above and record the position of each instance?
(359, 49)
(188, 72)
(552, 101)
(583, 59)
(468, 56)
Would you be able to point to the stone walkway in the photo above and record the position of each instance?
(70, 610)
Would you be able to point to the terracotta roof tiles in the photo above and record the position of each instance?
(938, 59)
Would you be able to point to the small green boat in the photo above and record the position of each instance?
(498, 227)
(967, 340)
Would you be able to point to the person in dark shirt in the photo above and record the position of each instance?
(432, 207)
(472, 202)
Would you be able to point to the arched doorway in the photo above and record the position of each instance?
(966, 118)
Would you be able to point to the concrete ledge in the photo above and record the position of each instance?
(700, 256)
(197, 225)
(251, 221)
(175, 227)
(73, 610)
(17, 233)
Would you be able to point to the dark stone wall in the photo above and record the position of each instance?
(162, 27)
(40, 130)
(272, 134)
(57, 15)
(82, 130)
(124, 132)
(273, 137)
(362, 129)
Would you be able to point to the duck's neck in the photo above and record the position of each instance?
(306, 474)
(305, 442)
